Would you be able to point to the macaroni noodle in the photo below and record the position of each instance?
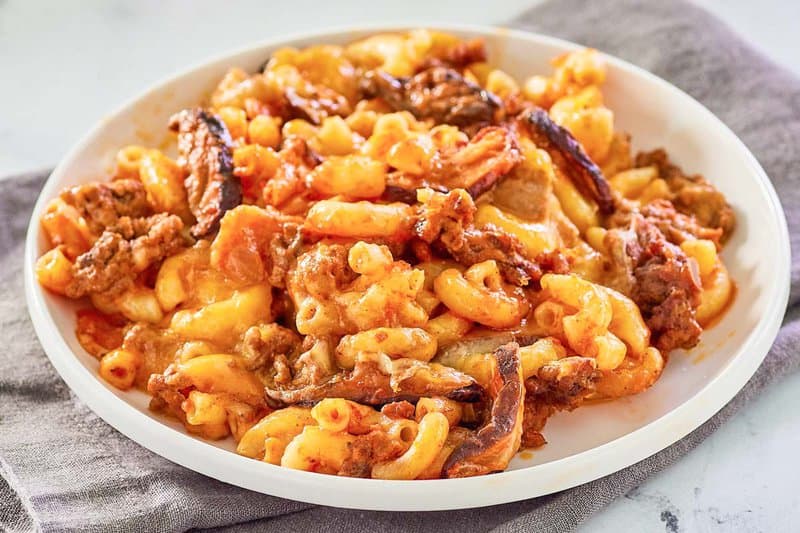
(390, 258)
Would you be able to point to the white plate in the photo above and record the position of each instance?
(584, 445)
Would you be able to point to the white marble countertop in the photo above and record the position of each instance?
(65, 64)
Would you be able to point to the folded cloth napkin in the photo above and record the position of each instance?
(64, 469)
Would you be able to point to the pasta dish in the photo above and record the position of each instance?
(390, 259)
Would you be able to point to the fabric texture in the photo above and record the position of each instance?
(63, 469)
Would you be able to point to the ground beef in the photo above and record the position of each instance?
(166, 395)
(659, 277)
(107, 267)
(557, 386)
(367, 450)
(481, 245)
(321, 271)
(534, 418)
(674, 320)
(156, 238)
(102, 205)
(564, 383)
(693, 195)
(476, 167)
(446, 222)
(262, 343)
(401, 409)
(282, 369)
(283, 250)
(289, 182)
(676, 226)
(445, 217)
(117, 257)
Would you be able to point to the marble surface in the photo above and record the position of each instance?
(65, 64)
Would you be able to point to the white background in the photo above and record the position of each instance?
(64, 64)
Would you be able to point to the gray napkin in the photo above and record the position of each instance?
(63, 469)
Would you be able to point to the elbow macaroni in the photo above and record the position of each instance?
(119, 367)
(358, 219)
(317, 450)
(587, 330)
(580, 210)
(353, 176)
(414, 343)
(219, 321)
(374, 239)
(448, 327)
(163, 180)
(480, 295)
(717, 285)
(431, 436)
(537, 238)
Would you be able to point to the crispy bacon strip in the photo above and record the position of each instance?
(206, 151)
(491, 448)
(369, 383)
(569, 156)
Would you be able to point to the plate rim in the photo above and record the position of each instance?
(503, 487)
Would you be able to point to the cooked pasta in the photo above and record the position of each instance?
(390, 259)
